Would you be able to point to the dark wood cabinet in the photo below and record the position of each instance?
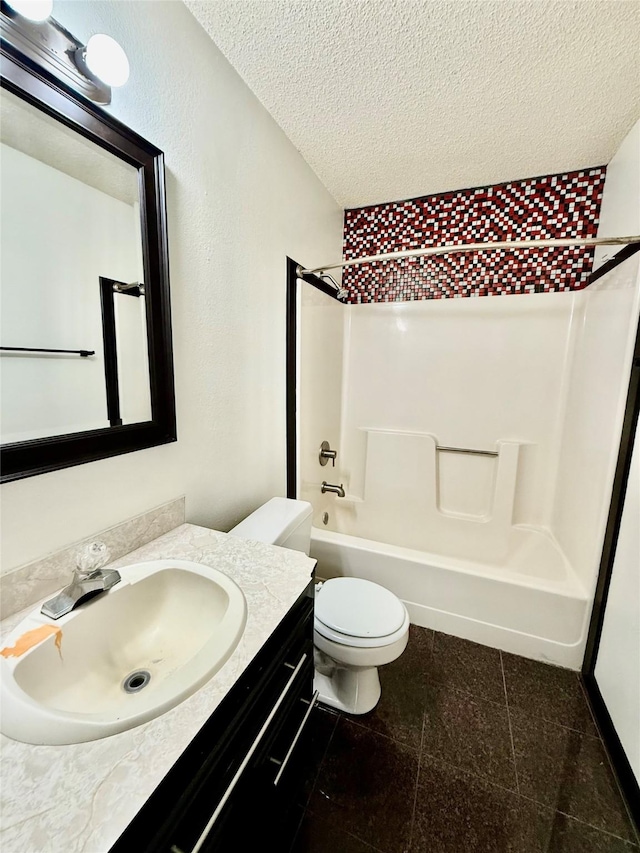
(234, 788)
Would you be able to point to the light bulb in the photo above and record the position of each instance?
(33, 10)
(107, 60)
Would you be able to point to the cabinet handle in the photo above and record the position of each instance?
(285, 760)
(246, 760)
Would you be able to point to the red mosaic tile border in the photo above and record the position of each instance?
(565, 205)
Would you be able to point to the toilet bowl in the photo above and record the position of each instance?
(358, 625)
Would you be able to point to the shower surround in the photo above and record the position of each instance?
(500, 549)
(500, 546)
(552, 206)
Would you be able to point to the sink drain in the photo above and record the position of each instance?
(136, 681)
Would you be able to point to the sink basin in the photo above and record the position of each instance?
(122, 658)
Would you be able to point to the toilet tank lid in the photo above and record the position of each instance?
(359, 608)
(274, 520)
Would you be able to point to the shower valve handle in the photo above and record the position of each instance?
(326, 454)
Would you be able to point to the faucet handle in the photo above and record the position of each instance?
(92, 557)
(327, 453)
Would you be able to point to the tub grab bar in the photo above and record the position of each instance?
(467, 450)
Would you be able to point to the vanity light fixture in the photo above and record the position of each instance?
(103, 58)
(91, 69)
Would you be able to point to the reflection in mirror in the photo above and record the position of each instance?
(70, 218)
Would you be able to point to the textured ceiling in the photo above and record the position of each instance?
(390, 99)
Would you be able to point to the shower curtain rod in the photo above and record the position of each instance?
(476, 247)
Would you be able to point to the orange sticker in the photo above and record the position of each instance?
(30, 639)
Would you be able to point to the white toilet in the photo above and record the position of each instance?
(358, 625)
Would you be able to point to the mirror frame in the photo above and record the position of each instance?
(21, 459)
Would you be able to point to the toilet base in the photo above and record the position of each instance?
(355, 690)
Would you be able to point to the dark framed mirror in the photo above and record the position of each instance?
(85, 348)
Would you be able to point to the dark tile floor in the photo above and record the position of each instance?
(470, 750)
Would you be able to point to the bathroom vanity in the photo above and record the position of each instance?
(235, 784)
(230, 752)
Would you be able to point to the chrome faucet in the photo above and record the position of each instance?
(89, 579)
(336, 490)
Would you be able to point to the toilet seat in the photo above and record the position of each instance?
(359, 613)
(360, 642)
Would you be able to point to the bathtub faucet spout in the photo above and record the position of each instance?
(328, 487)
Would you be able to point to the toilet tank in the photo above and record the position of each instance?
(280, 521)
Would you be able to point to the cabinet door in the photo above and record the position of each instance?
(263, 811)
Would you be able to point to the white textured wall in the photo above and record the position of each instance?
(618, 665)
(620, 208)
(603, 347)
(240, 199)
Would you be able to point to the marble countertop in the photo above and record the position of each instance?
(81, 797)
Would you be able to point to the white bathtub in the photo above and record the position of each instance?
(532, 604)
